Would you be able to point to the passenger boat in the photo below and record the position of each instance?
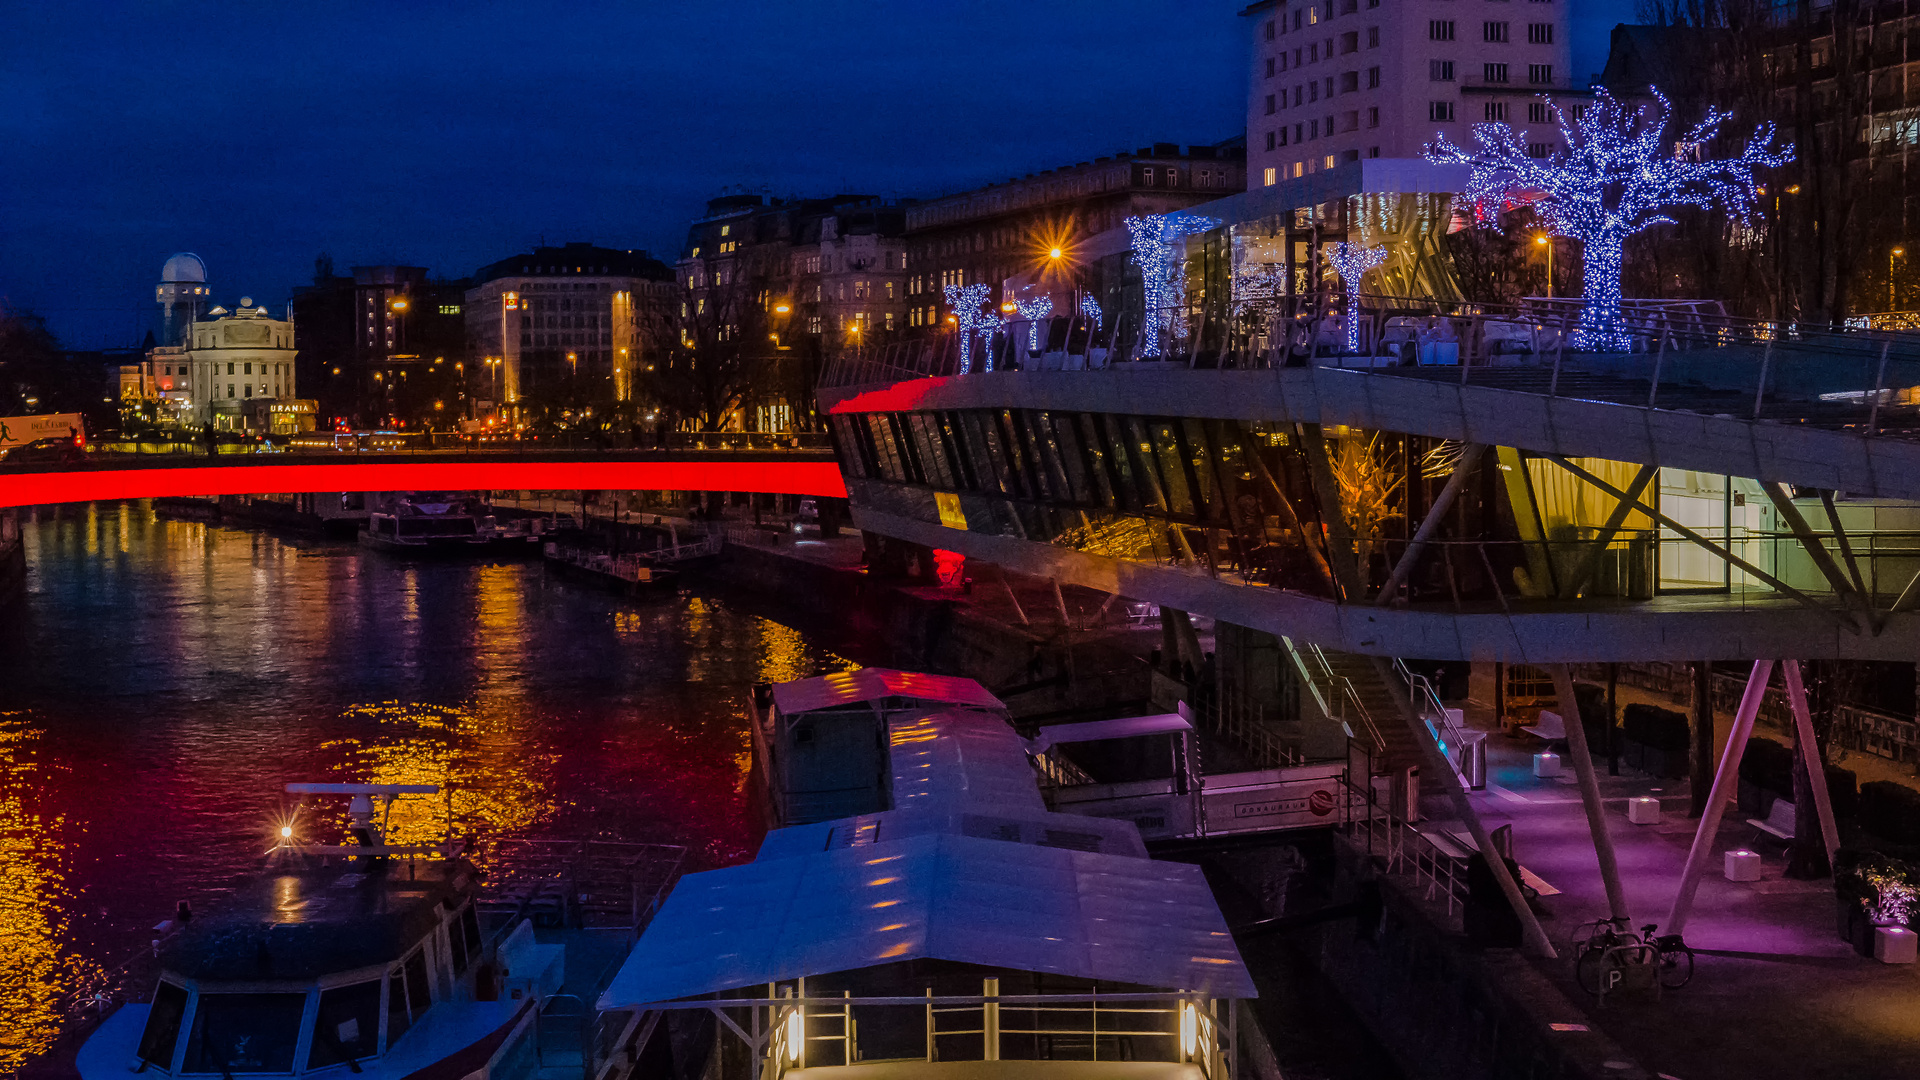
(632, 576)
(936, 920)
(443, 523)
(386, 961)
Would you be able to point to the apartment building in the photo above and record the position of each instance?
(1341, 80)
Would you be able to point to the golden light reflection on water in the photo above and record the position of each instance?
(35, 965)
(493, 781)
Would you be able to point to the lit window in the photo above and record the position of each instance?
(1271, 178)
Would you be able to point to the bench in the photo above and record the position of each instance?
(1779, 822)
(1549, 727)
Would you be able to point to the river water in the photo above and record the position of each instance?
(161, 681)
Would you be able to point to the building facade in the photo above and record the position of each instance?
(791, 282)
(1008, 231)
(1335, 81)
(182, 295)
(238, 364)
(563, 322)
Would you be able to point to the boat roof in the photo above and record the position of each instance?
(1109, 918)
(953, 758)
(861, 685)
(298, 923)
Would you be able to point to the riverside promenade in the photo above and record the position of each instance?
(1775, 992)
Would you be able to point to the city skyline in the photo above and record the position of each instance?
(261, 139)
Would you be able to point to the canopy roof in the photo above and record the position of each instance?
(871, 684)
(962, 899)
(1123, 728)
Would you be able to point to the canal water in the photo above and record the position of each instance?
(161, 681)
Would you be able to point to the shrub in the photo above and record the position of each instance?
(1841, 789)
(1652, 726)
(1769, 765)
(1890, 811)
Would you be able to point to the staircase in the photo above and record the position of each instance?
(1372, 706)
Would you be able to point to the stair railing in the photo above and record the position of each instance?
(1427, 703)
(1348, 707)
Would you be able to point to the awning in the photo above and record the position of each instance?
(957, 898)
(1126, 727)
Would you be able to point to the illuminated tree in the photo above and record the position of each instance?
(970, 316)
(1033, 309)
(1351, 262)
(1163, 277)
(1617, 175)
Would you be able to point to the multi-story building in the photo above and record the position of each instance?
(239, 364)
(1003, 231)
(564, 322)
(807, 277)
(1341, 80)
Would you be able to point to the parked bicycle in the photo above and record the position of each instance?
(1610, 955)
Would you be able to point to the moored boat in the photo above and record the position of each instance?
(443, 523)
(378, 960)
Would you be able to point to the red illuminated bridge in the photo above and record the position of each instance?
(97, 477)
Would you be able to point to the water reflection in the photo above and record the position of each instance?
(162, 680)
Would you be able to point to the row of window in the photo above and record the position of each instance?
(1494, 31)
(1312, 54)
(1311, 129)
(1311, 15)
(1537, 74)
(534, 340)
(1094, 461)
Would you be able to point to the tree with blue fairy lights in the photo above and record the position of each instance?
(1351, 262)
(970, 318)
(1617, 175)
(1164, 278)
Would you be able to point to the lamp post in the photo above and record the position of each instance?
(1892, 255)
(1545, 241)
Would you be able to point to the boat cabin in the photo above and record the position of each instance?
(822, 743)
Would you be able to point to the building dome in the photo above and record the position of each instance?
(186, 266)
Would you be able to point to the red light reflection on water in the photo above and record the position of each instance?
(166, 679)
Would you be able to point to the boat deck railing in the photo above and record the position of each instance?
(592, 884)
(795, 1031)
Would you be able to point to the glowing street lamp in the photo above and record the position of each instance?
(1891, 255)
(1545, 241)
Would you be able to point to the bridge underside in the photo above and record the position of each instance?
(777, 472)
(1381, 514)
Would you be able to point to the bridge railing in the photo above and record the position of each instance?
(441, 446)
(1659, 351)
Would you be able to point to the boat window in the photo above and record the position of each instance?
(163, 1025)
(470, 929)
(418, 996)
(348, 1025)
(457, 944)
(396, 1006)
(236, 1033)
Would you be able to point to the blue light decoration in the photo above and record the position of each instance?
(1165, 279)
(1351, 262)
(968, 302)
(1617, 175)
(1090, 309)
(1033, 309)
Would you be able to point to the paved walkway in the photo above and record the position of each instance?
(1775, 992)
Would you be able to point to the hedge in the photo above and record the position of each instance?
(1890, 811)
(1652, 726)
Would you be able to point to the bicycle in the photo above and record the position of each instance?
(1673, 955)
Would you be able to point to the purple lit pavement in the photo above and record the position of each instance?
(1775, 993)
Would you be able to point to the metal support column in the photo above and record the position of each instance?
(1723, 781)
(1803, 741)
(1576, 730)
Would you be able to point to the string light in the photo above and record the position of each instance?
(1165, 281)
(1617, 175)
(1033, 309)
(1090, 309)
(967, 302)
(1351, 262)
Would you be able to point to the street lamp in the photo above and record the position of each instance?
(1891, 255)
(1545, 241)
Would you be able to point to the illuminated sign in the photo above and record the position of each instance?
(512, 299)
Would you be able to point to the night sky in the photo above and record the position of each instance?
(449, 135)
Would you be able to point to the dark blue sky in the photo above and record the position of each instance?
(450, 134)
